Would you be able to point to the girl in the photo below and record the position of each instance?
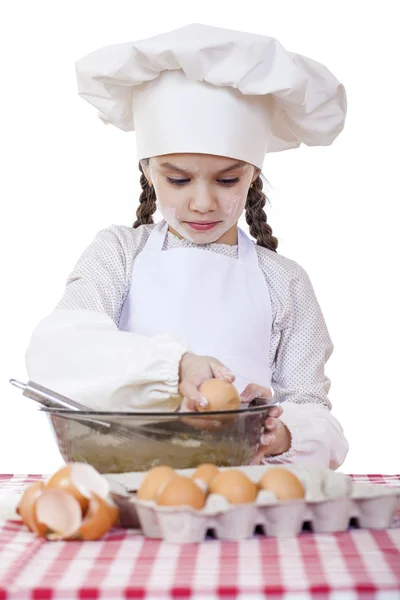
(154, 310)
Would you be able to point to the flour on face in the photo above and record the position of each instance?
(202, 195)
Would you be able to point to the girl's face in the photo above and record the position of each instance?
(201, 196)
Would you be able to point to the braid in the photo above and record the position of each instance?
(256, 217)
(147, 203)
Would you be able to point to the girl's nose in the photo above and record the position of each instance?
(202, 199)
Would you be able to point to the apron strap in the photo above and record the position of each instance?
(246, 249)
(155, 241)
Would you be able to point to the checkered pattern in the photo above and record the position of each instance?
(354, 564)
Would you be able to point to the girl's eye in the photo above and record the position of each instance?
(181, 182)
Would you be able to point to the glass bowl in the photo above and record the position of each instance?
(120, 442)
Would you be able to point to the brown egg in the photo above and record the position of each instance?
(154, 482)
(221, 395)
(283, 483)
(235, 486)
(182, 491)
(205, 473)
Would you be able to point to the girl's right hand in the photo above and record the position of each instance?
(193, 371)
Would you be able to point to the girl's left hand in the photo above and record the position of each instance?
(277, 439)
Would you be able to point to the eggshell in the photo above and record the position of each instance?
(154, 482)
(27, 508)
(81, 481)
(235, 486)
(60, 511)
(283, 483)
(182, 491)
(221, 395)
(99, 519)
(56, 511)
(205, 473)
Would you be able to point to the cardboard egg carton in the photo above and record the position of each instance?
(332, 500)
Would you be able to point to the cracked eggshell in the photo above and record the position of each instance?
(60, 512)
(100, 517)
(75, 502)
(26, 508)
(81, 480)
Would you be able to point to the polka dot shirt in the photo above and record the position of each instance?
(300, 342)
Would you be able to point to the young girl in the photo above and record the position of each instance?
(153, 310)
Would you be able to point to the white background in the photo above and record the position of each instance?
(335, 210)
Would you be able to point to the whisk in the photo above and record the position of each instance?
(53, 400)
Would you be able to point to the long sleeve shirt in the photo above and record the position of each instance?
(79, 351)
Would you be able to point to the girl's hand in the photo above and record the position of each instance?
(255, 391)
(276, 439)
(193, 371)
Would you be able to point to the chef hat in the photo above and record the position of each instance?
(209, 90)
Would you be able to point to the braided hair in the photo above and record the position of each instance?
(256, 217)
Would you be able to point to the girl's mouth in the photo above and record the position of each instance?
(202, 226)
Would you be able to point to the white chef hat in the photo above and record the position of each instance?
(208, 90)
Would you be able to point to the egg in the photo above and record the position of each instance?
(283, 483)
(182, 491)
(235, 486)
(154, 482)
(205, 473)
(221, 395)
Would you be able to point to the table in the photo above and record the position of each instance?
(354, 564)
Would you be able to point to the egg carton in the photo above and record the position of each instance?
(332, 503)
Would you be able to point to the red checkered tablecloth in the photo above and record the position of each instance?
(354, 564)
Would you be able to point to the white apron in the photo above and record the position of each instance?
(220, 305)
